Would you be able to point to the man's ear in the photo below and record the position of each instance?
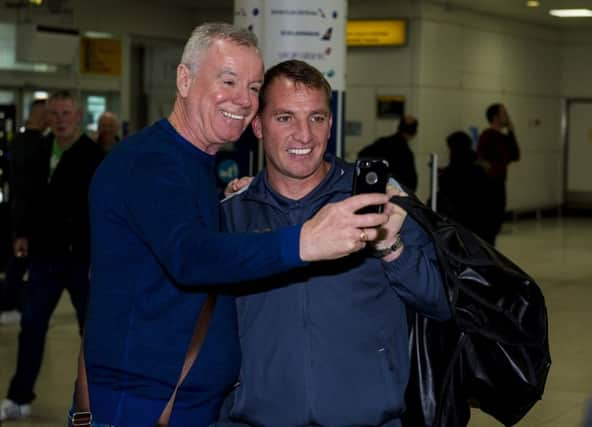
(256, 125)
(183, 80)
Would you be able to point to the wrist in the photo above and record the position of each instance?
(394, 248)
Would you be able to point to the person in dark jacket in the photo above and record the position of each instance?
(27, 166)
(157, 247)
(395, 149)
(464, 189)
(327, 345)
(55, 234)
(496, 149)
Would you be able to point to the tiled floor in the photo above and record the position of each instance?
(556, 252)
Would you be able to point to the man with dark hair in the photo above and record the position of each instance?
(464, 192)
(55, 234)
(395, 149)
(496, 149)
(326, 345)
(157, 248)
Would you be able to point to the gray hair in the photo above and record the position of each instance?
(204, 35)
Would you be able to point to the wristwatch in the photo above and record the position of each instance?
(381, 253)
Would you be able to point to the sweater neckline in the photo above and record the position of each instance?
(184, 143)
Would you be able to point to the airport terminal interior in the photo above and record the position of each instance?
(454, 58)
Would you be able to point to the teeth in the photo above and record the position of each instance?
(232, 116)
(299, 151)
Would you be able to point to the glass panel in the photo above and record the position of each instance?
(95, 106)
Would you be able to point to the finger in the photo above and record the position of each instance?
(368, 235)
(393, 209)
(355, 203)
(392, 190)
(367, 221)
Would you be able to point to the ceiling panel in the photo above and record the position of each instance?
(514, 9)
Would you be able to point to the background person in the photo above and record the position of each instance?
(28, 159)
(496, 149)
(395, 149)
(465, 189)
(57, 241)
(108, 131)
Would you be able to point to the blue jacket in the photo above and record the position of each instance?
(156, 250)
(328, 345)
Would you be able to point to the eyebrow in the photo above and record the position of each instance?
(227, 71)
(312, 113)
(230, 72)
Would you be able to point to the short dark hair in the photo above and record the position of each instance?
(409, 127)
(66, 94)
(460, 146)
(459, 141)
(38, 101)
(298, 72)
(492, 111)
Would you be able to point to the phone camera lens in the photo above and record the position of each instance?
(371, 178)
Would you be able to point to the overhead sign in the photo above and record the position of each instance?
(380, 32)
(100, 56)
(308, 30)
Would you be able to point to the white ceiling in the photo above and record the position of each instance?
(513, 9)
(516, 9)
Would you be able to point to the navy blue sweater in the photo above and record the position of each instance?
(327, 345)
(156, 250)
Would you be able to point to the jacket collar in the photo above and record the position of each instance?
(337, 180)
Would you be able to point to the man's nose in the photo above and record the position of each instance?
(303, 132)
(243, 97)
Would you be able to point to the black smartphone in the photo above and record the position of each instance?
(370, 176)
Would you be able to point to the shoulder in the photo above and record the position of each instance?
(489, 134)
(84, 147)
(255, 189)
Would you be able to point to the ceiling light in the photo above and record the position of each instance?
(571, 13)
(97, 35)
(533, 3)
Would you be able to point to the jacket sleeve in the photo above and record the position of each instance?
(23, 179)
(165, 212)
(513, 148)
(415, 275)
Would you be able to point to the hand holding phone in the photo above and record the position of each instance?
(370, 176)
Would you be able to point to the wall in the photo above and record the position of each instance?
(379, 71)
(458, 62)
(576, 64)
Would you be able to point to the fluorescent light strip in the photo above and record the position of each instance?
(571, 13)
(97, 35)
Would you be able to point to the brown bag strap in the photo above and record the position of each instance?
(82, 416)
(197, 339)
